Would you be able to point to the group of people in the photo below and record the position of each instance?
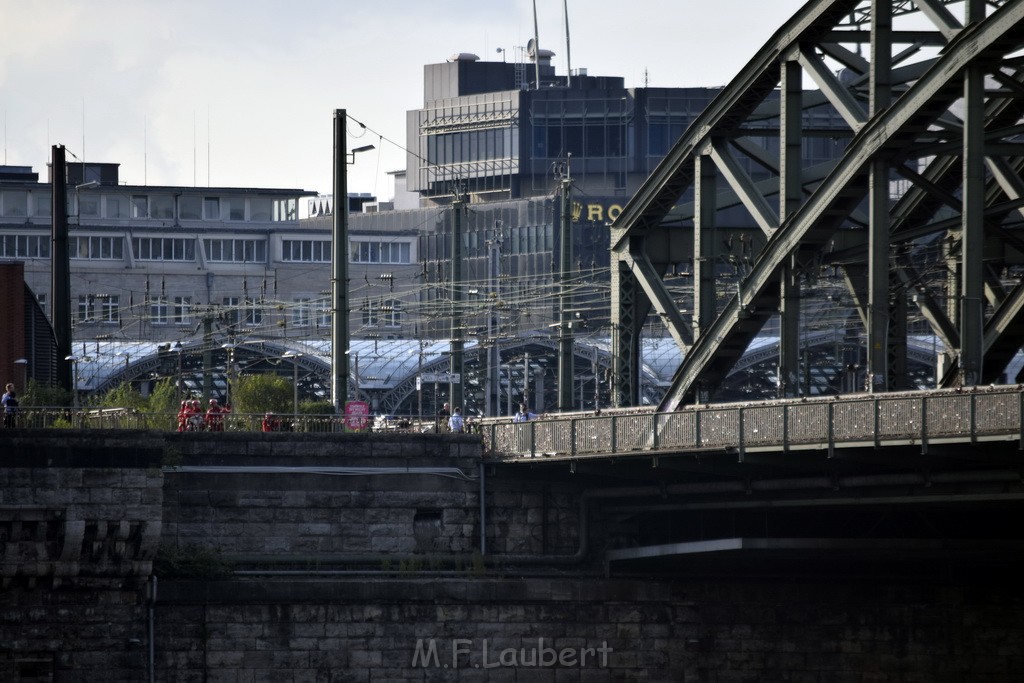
(274, 423)
(192, 418)
(450, 420)
(456, 424)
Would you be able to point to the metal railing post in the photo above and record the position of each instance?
(831, 430)
(876, 437)
(1020, 418)
(741, 443)
(613, 428)
(785, 428)
(974, 415)
(572, 435)
(924, 425)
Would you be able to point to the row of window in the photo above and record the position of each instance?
(178, 310)
(382, 313)
(24, 246)
(477, 145)
(97, 204)
(217, 250)
(603, 138)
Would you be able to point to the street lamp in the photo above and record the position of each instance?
(419, 380)
(230, 348)
(23, 362)
(352, 159)
(295, 381)
(179, 348)
(127, 361)
(73, 359)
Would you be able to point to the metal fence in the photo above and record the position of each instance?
(867, 419)
(118, 418)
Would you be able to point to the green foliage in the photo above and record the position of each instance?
(192, 562)
(164, 398)
(124, 395)
(62, 423)
(316, 408)
(261, 393)
(37, 394)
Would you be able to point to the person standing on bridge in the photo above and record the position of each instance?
(215, 417)
(441, 423)
(524, 414)
(10, 404)
(456, 424)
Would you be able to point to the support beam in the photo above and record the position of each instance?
(879, 316)
(790, 197)
(704, 252)
(972, 283)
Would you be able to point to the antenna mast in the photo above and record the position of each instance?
(568, 55)
(536, 48)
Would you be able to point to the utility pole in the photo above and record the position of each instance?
(207, 354)
(339, 266)
(455, 389)
(492, 385)
(565, 340)
(60, 267)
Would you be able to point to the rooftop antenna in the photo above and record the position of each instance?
(568, 56)
(536, 48)
(145, 149)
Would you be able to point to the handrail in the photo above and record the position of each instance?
(921, 418)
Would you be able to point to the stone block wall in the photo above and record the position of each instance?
(355, 500)
(549, 629)
(80, 516)
(332, 589)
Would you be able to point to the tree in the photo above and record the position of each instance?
(164, 397)
(261, 393)
(124, 395)
(37, 394)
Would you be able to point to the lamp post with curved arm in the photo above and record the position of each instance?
(73, 360)
(295, 381)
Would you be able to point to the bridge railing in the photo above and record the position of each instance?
(866, 419)
(35, 417)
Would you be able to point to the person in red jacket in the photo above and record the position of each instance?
(271, 423)
(183, 416)
(193, 416)
(215, 417)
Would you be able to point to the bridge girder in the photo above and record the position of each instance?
(938, 105)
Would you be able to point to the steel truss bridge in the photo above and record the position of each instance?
(921, 213)
(925, 484)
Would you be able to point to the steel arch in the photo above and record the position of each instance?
(948, 123)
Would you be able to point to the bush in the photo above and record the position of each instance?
(262, 393)
(37, 394)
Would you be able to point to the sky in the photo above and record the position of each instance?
(242, 93)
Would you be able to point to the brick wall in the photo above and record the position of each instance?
(12, 323)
